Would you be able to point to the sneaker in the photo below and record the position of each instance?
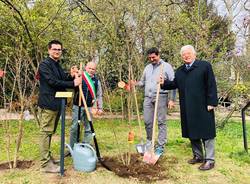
(50, 168)
(159, 150)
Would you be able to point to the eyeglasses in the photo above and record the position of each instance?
(59, 50)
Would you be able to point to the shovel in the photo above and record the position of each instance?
(149, 156)
(79, 109)
(141, 147)
(93, 131)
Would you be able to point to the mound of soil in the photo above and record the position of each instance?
(21, 164)
(139, 169)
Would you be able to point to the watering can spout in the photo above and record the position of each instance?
(70, 149)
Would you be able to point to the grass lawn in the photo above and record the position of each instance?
(232, 163)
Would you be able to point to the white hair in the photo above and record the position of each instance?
(187, 47)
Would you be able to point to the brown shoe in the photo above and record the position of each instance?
(206, 166)
(195, 160)
(50, 168)
(55, 161)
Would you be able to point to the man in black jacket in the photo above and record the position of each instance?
(52, 79)
(198, 96)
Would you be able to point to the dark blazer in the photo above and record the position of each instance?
(197, 89)
(52, 79)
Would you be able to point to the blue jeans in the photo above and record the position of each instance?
(74, 126)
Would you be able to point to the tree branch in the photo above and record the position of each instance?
(54, 18)
(89, 9)
(22, 22)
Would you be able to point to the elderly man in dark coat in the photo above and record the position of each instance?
(198, 96)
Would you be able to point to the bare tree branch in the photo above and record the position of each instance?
(53, 19)
(22, 21)
(89, 10)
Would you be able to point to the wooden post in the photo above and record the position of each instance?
(63, 95)
(244, 126)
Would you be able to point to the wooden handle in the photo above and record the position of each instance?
(81, 97)
(85, 105)
(136, 105)
(80, 86)
(156, 107)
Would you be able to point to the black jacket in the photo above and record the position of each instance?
(52, 79)
(197, 89)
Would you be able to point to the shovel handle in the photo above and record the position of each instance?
(136, 104)
(80, 86)
(79, 104)
(85, 104)
(81, 97)
(155, 111)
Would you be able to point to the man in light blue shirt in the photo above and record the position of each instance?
(149, 80)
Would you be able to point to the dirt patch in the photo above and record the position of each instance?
(141, 170)
(21, 164)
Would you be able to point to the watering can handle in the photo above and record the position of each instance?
(68, 146)
(87, 145)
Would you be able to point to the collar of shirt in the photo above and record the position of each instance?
(159, 62)
(190, 64)
(156, 65)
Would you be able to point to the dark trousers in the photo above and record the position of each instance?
(203, 149)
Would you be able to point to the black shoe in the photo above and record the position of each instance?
(195, 160)
(206, 166)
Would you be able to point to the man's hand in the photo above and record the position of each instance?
(161, 80)
(210, 107)
(77, 80)
(132, 83)
(171, 104)
(73, 71)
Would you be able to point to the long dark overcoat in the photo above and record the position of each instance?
(197, 89)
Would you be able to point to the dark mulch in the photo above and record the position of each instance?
(140, 170)
(21, 164)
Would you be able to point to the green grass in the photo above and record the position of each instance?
(232, 162)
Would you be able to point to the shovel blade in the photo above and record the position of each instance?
(147, 157)
(154, 159)
(141, 148)
(150, 158)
